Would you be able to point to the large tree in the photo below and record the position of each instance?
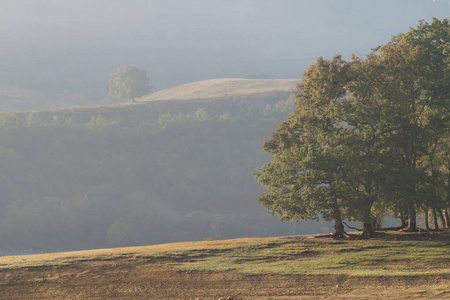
(128, 82)
(406, 85)
(326, 156)
(434, 39)
(303, 180)
(367, 136)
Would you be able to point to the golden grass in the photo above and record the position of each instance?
(283, 255)
(221, 88)
(64, 258)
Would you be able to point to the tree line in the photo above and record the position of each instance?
(138, 174)
(367, 137)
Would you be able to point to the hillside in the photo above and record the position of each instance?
(222, 88)
(137, 174)
(393, 265)
(19, 99)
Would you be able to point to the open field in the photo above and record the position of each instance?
(221, 88)
(392, 265)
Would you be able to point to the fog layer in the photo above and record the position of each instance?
(58, 47)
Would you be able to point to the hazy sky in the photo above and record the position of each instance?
(179, 41)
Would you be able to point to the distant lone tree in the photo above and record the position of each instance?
(128, 83)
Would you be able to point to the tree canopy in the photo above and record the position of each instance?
(367, 137)
(136, 175)
(128, 82)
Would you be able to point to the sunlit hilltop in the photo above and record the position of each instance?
(224, 87)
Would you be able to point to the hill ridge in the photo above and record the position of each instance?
(222, 87)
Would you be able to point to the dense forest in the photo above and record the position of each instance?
(137, 174)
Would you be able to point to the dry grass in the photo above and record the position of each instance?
(393, 265)
(65, 258)
(386, 255)
(221, 88)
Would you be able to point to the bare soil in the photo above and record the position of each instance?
(141, 279)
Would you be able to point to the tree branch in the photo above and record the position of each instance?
(354, 228)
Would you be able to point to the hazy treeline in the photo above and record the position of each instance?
(142, 174)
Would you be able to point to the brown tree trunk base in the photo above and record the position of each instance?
(447, 218)
(435, 219)
(441, 217)
(412, 222)
(367, 230)
(425, 214)
(339, 231)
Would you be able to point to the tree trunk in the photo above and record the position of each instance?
(447, 210)
(367, 230)
(403, 219)
(412, 223)
(425, 214)
(447, 218)
(376, 223)
(338, 225)
(441, 216)
(435, 220)
(367, 221)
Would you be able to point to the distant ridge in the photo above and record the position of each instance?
(224, 87)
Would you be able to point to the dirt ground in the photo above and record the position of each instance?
(144, 279)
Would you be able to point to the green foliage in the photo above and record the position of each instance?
(366, 136)
(303, 179)
(170, 171)
(128, 83)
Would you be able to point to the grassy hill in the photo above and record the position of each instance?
(221, 88)
(18, 99)
(393, 265)
(137, 174)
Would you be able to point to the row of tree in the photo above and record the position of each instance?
(367, 137)
(158, 172)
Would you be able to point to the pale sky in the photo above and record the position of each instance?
(179, 41)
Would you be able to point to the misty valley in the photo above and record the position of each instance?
(140, 174)
(211, 149)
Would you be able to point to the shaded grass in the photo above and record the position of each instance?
(352, 257)
(284, 255)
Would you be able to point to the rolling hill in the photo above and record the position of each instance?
(222, 88)
(144, 173)
(17, 99)
(169, 171)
